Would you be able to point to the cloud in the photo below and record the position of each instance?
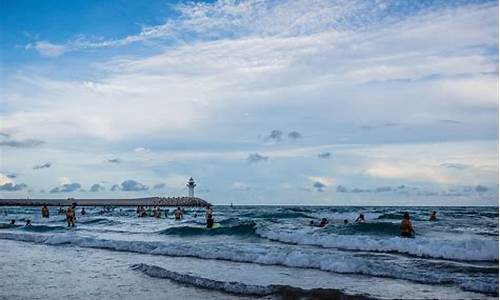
(11, 187)
(66, 188)
(324, 180)
(294, 135)
(159, 186)
(481, 188)
(325, 155)
(96, 188)
(29, 143)
(383, 189)
(115, 188)
(132, 185)
(114, 161)
(240, 186)
(47, 49)
(341, 189)
(456, 166)
(256, 158)
(359, 190)
(320, 187)
(275, 136)
(43, 166)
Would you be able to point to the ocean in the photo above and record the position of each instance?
(265, 252)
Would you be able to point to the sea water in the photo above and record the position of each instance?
(268, 251)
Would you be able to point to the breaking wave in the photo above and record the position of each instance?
(473, 249)
(239, 288)
(290, 256)
(245, 229)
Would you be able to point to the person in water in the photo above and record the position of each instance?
(28, 222)
(406, 227)
(209, 211)
(433, 216)
(12, 222)
(311, 223)
(61, 211)
(323, 222)
(70, 215)
(83, 212)
(210, 221)
(178, 214)
(45, 211)
(360, 219)
(157, 213)
(142, 212)
(346, 222)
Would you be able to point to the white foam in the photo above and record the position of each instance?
(472, 249)
(285, 255)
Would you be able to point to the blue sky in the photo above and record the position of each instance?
(262, 102)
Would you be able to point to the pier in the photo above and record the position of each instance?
(148, 201)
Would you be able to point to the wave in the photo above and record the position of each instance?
(380, 228)
(245, 229)
(289, 256)
(277, 215)
(43, 228)
(100, 221)
(473, 249)
(239, 288)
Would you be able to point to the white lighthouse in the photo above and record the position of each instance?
(191, 186)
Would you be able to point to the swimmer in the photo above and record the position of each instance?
(70, 215)
(323, 222)
(433, 216)
(12, 222)
(346, 222)
(61, 211)
(210, 221)
(28, 222)
(406, 226)
(178, 214)
(311, 223)
(83, 212)
(45, 211)
(360, 219)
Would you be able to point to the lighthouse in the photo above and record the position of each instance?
(191, 186)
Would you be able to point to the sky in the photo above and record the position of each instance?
(305, 102)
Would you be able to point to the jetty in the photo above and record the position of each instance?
(148, 201)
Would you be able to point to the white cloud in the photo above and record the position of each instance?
(48, 49)
(327, 181)
(4, 179)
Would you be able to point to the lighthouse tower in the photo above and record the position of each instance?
(191, 186)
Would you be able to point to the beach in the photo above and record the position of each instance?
(257, 252)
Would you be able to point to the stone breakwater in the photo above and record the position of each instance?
(149, 201)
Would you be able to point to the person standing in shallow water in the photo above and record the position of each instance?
(70, 215)
(406, 226)
(45, 211)
(433, 216)
(178, 214)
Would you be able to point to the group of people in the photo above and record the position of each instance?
(406, 226)
(142, 211)
(70, 213)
